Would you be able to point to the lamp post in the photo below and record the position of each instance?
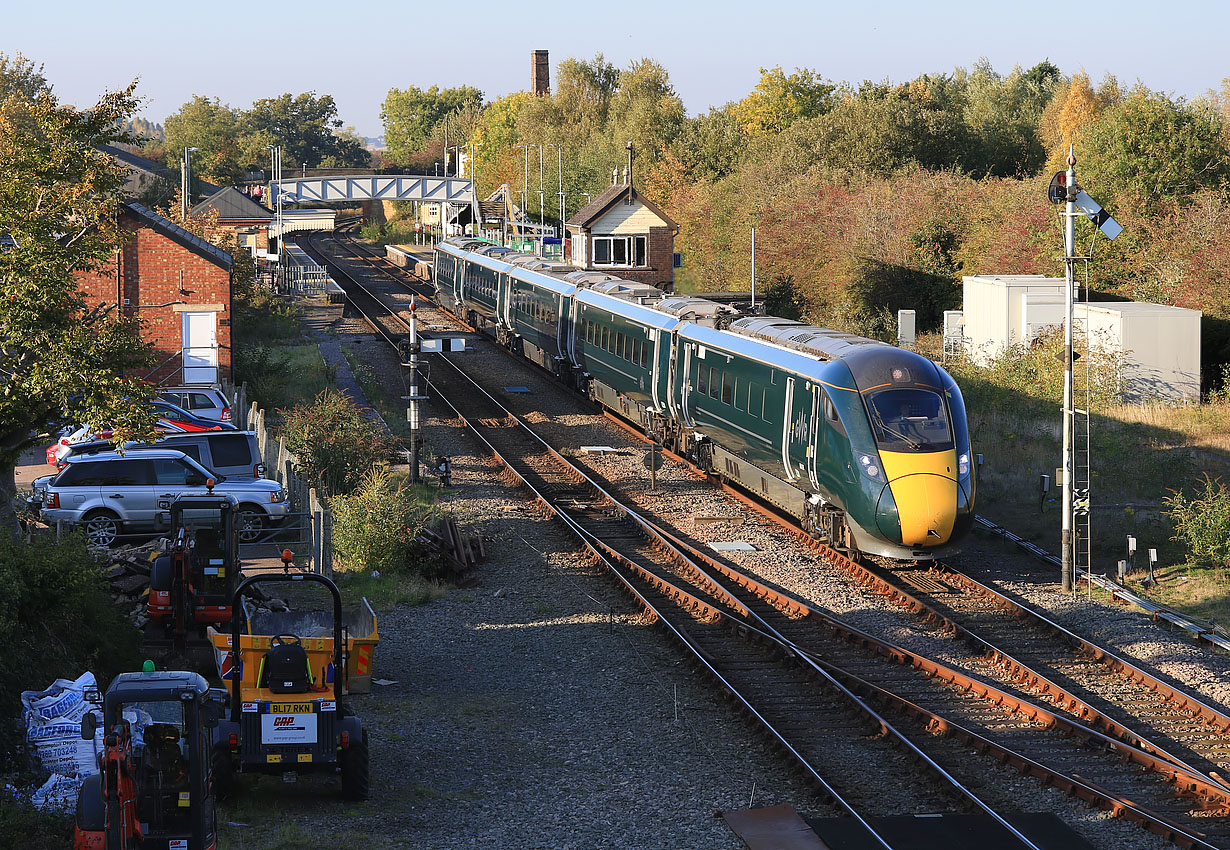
(186, 181)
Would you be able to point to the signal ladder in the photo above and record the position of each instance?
(1082, 455)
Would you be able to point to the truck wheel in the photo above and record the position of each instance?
(355, 776)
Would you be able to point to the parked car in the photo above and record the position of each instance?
(207, 402)
(188, 421)
(109, 494)
(58, 450)
(229, 453)
(172, 419)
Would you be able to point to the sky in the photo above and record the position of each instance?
(713, 51)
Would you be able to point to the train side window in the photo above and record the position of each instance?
(619, 344)
(645, 353)
(728, 388)
(715, 382)
(606, 338)
(702, 380)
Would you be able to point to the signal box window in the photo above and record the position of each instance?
(620, 251)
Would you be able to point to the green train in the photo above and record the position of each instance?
(866, 444)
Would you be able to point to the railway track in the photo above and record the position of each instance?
(597, 517)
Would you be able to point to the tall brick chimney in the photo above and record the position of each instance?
(540, 73)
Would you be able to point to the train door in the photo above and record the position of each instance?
(561, 328)
(797, 431)
(461, 282)
(684, 379)
(503, 299)
(813, 437)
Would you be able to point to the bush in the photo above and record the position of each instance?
(374, 527)
(57, 620)
(1202, 522)
(335, 444)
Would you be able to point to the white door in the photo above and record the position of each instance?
(200, 348)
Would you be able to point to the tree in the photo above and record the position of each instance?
(646, 110)
(711, 144)
(214, 130)
(19, 75)
(307, 128)
(410, 115)
(780, 99)
(58, 203)
(1149, 147)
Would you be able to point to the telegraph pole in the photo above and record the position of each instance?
(1067, 541)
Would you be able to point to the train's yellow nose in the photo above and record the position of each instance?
(924, 486)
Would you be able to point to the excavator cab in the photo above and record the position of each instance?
(191, 585)
(155, 786)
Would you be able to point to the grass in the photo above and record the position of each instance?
(390, 589)
(386, 403)
(1140, 454)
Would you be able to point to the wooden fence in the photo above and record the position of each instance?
(282, 466)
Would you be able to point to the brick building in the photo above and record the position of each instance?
(241, 215)
(179, 285)
(623, 234)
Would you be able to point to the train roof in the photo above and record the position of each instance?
(542, 280)
(818, 342)
(695, 309)
(628, 309)
(629, 290)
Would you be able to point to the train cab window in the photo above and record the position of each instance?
(910, 420)
(830, 413)
(728, 388)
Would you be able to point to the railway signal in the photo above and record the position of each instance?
(409, 350)
(1064, 189)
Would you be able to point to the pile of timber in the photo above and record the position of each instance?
(458, 552)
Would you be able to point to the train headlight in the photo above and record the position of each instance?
(870, 469)
(963, 465)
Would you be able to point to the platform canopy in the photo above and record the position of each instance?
(376, 187)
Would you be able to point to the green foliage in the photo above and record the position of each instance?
(20, 76)
(876, 285)
(1151, 147)
(336, 445)
(57, 620)
(711, 145)
(1202, 522)
(410, 116)
(62, 356)
(308, 129)
(375, 526)
(781, 298)
(213, 128)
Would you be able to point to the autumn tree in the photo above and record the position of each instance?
(780, 99)
(58, 207)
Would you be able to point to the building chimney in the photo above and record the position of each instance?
(628, 170)
(614, 176)
(540, 73)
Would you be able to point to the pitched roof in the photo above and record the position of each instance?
(233, 204)
(600, 205)
(174, 232)
(150, 166)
